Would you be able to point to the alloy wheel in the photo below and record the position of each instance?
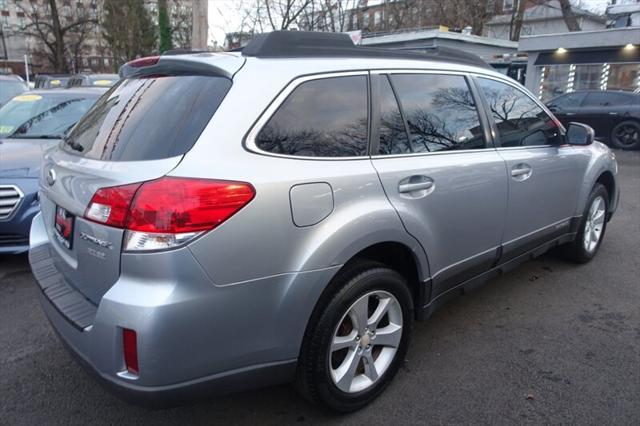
(594, 224)
(365, 341)
(627, 135)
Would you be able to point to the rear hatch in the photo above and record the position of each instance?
(137, 132)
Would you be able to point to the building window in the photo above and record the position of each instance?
(377, 18)
(365, 19)
(587, 77)
(623, 77)
(354, 21)
(554, 81)
(509, 5)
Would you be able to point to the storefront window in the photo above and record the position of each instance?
(623, 77)
(554, 81)
(587, 77)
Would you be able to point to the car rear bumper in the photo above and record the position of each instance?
(79, 344)
(194, 338)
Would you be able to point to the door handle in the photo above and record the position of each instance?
(411, 187)
(613, 113)
(569, 113)
(521, 171)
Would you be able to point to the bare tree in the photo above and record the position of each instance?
(129, 29)
(282, 14)
(568, 16)
(517, 18)
(460, 14)
(334, 15)
(182, 25)
(55, 31)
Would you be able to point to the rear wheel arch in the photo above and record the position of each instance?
(394, 255)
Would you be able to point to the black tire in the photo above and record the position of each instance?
(626, 135)
(314, 378)
(576, 251)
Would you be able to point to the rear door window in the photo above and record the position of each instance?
(148, 118)
(440, 111)
(321, 118)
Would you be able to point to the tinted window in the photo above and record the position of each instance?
(520, 121)
(9, 89)
(148, 118)
(570, 100)
(440, 111)
(320, 118)
(607, 99)
(393, 135)
(33, 115)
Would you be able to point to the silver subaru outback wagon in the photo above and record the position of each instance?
(223, 221)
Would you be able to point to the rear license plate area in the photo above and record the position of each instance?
(64, 227)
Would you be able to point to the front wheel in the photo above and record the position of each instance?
(357, 341)
(592, 227)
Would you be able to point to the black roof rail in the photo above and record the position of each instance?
(308, 44)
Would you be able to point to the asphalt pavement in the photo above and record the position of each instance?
(550, 342)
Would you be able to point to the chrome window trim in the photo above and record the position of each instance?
(16, 206)
(250, 140)
(422, 154)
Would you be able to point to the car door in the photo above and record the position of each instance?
(448, 185)
(600, 110)
(545, 174)
(567, 107)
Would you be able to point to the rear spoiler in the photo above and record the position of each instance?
(171, 65)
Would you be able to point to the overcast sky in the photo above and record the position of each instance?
(225, 15)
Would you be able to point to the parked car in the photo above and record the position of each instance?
(51, 81)
(100, 80)
(31, 123)
(614, 115)
(10, 86)
(227, 221)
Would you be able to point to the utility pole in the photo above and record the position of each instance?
(200, 24)
(4, 44)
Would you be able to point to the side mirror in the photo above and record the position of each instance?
(579, 134)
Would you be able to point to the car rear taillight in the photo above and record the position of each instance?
(130, 350)
(167, 212)
(111, 205)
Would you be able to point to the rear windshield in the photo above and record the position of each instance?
(46, 115)
(148, 118)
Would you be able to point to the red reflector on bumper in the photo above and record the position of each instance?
(130, 348)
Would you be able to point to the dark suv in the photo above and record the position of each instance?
(614, 115)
